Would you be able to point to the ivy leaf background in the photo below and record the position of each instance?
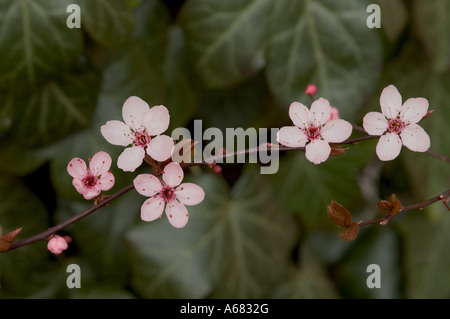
(230, 64)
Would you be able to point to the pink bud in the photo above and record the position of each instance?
(217, 169)
(334, 114)
(68, 239)
(311, 89)
(57, 244)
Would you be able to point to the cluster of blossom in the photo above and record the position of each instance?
(396, 125)
(314, 129)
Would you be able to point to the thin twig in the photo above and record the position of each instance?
(421, 205)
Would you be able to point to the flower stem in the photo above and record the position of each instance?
(45, 234)
(206, 162)
(421, 205)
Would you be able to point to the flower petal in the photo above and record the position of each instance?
(318, 151)
(388, 147)
(173, 174)
(299, 114)
(152, 208)
(375, 123)
(133, 112)
(157, 120)
(177, 214)
(291, 136)
(390, 102)
(91, 193)
(414, 109)
(320, 111)
(131, 158)
(147, 184)
(189, 194)
(77, 168)
(160, 148)
(415, 138)
(336, 131)
(106, 182)
(117, 133)
(79, 186)
(100, 163)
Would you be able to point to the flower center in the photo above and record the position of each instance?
(395, 125)
(141, 138)
(312, 132)
(167, 193)
(89, 180)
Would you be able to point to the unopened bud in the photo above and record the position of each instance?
(217, 169)
(57, 244)
(5, 241)
(311, 89)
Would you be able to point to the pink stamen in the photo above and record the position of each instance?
(395, 126)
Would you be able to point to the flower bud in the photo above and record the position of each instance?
(217, 169)
(311, 89)
(5, 241)
(57, 244)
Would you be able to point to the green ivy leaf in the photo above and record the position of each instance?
(154, 66)
(99, 237)
(323, 42)
(394, 17)
(426, 246)
(432, 20)
(20, 208)
(307, 189)
(233, 107)
(236, 244)
(20, 161)
(56, 109)
(108, 22)
(226, 38)
(309, 281)
(35, 42)
(373, 246)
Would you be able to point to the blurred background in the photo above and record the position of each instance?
(233, 63)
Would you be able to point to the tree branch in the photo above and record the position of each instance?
(383, 221)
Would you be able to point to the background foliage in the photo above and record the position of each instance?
(234, 63)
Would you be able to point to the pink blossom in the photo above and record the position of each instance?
(57, 244)
(313, 129)
(311, 89)
(169, 194)
(91, 181)
(397, 124)
(142, 130)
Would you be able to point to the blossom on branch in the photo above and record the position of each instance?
(313, 129)
(397, 124)
(91, 181)
(142, 129)
(58, 244)
(168, 193)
